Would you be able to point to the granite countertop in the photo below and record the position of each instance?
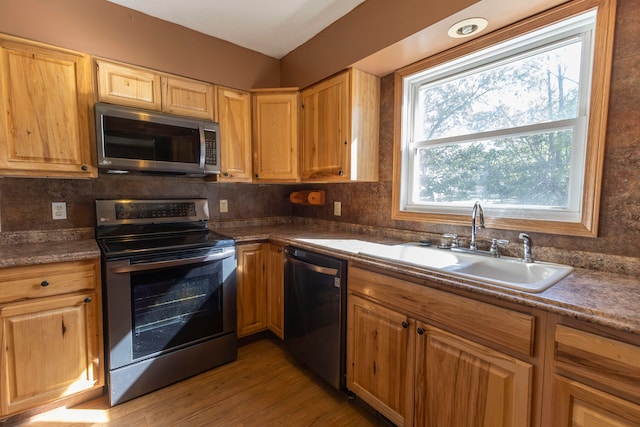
(18, 254)
(601, 298)
(597, 297)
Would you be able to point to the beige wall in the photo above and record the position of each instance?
(369, 28)
(104, 29)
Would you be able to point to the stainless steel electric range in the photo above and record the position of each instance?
(169, 293)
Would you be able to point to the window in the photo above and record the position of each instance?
(517, 124)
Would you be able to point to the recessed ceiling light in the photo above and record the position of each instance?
(467, 27)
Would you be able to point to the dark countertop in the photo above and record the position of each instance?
(18, 254)
(597, 297)
(601, 298)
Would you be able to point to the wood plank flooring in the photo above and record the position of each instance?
(263, 387)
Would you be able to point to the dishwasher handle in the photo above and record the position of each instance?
(313, 267)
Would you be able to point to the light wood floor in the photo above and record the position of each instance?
(263, 387)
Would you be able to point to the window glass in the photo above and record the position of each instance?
(506, 126)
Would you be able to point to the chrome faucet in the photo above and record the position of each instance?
(527, 247)
(477, 211)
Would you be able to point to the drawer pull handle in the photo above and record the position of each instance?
(44, 283)
(87, 300)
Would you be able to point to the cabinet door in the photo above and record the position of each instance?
(233, 113)
(326, 132)
(577, 405)
(51, 349)
(128, 85)
(460, 383)
(275, 290)
(46, 100)
(186, 97)
(252, 288)
(379, 345)
(275, 135)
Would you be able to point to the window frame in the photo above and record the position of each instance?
(587, 223)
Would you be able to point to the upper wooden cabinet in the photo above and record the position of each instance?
(233, 113)
(47, 97)
(340, 128)
(275, 134)
(133, 86)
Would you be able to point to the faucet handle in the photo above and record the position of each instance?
(527, 247)
(454, 241)
(494, 246)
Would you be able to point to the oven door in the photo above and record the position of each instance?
(158, 304)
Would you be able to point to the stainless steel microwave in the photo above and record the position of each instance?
(131, 139)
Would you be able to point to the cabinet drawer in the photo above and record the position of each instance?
(607, 361)
(507, 328)
(35, 281)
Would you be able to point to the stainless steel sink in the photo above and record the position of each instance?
(505, 271)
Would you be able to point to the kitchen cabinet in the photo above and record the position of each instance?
(47, 98)
(275, 134)
(139, 87)
(251, 277)
(596, 379)
(437, 358)
(233, 113)
(51, 333)
(275, 290)
(340, 128)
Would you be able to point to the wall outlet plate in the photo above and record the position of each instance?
(59, 210)
(224, 206)
(337, 208)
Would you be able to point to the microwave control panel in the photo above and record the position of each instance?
(211, 148)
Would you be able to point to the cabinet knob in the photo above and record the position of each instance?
(420, 331)
(405, 325)
(87, 300)
(280, 250)
(44, 283)
(257, 176)
(340, 173)
(84, 168)
(226, 174)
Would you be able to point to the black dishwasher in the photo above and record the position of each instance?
(315, 297)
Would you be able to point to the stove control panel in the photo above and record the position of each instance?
(111, 212)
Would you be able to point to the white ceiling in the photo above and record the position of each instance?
(274, 28)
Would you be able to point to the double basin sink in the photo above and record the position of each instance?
(503, 271)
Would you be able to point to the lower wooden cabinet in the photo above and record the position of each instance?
(260, 281)
(462, 383)
(379, 344)
(596, 380)
(275, 290)
(52, 340)
(415, 373)
(252, 288)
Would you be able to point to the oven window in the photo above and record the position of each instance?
(175, 306)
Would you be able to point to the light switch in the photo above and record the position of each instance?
(59, 210)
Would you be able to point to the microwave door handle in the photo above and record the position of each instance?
(168, 263)
(313, 267)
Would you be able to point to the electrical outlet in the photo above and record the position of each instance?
(59, 210)
(224, 206)
(337, 208)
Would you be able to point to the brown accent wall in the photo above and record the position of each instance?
(370, 203)
(370, 27)
(105, 29)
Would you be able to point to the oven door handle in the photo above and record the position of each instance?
(313, 267)
(127, 268)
